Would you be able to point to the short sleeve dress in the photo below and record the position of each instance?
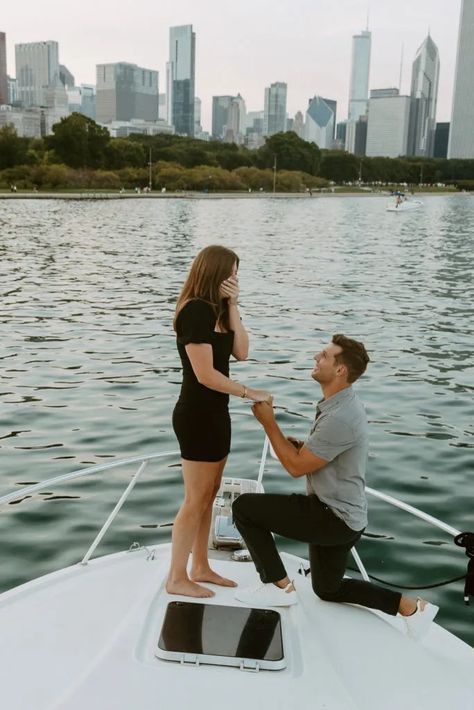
(201, 418)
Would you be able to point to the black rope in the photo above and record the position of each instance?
(466, 540)
(402, 586)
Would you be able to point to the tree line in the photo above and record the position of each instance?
(80, 153)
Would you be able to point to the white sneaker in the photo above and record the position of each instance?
(417, 624)
(266, 595)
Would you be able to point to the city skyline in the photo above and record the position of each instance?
(247, 48)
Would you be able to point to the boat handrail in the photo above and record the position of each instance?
(90, 470)
(143, 461)
(113, 514)
(96, 468)
(80, 473)
(414, 511)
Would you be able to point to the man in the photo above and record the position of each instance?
(333, 514)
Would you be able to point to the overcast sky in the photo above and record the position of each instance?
(244, 45)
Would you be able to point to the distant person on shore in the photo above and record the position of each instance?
(333, 514)
(209, 330)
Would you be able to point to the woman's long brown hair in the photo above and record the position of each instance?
(209, 269)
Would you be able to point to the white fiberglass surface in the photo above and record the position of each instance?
(87, 636)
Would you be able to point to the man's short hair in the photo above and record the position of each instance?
(353, 356)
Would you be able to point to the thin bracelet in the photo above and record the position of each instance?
(244, 393)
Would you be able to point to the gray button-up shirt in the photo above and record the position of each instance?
(340, 436)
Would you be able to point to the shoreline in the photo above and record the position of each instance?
(201, 195)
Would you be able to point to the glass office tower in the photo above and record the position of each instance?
(3, 70)
(181, 79)
(125, 92)
(424, 95)
(359, 86)
(274, 118)
(461, 135)
(37, 67)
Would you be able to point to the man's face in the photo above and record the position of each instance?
(326, 369)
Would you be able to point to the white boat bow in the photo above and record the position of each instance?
(86, 637)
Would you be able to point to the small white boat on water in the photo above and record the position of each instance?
(93, 635)
(404, 204)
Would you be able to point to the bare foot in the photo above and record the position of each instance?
(187, 588)
(208, 575)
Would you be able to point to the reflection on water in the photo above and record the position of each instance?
(89, 368)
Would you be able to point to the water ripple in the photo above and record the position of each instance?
(88, 290)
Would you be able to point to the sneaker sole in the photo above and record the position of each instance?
(262, 604)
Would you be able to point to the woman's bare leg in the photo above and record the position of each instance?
(201, 571)
(199, 492)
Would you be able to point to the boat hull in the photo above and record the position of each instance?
(86, 636)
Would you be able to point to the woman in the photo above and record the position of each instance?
(209, 330)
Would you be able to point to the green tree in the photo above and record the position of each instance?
(123, 153)
(13, 149)
(231, 159)
(291, 152)
(133, 177)
(340, 167)
(255, 179)
(79, 142)
(189, 154)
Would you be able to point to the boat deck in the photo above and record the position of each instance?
(86, 637)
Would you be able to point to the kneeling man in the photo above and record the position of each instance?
(333, 514)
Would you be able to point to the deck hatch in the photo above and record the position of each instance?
(222, 635)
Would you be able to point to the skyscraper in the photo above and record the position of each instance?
(81, 99)
(37, 67)
(67, 79)
(180, 79)
(356, 135)
(254, 129)
(359, 86)
(333, 106)
(162, 107)
(388, 117)
(298, 124)
(320, 119)
(56, 106)
(242, 108)
(229, 118)
(341, 130)
(424, 95)
(220, 115)
(274, 118)
(197, 116)
(12, 90)
(125, 92)
(441, 140)
(3, 69)
(461, 134)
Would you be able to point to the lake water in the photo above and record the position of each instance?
(90, 372)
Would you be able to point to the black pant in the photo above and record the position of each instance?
(307, 519)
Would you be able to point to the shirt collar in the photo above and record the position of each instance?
(325, 405)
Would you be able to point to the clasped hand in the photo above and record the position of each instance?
(263, 412)
(230, 289)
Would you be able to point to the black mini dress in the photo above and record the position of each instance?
(201, 418)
